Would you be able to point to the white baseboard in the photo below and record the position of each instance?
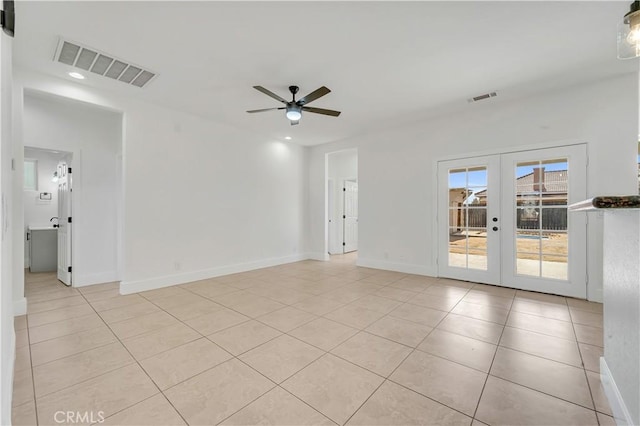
(324, 257)
(8, 382)
(618, 407)
(129, 287)
(407, 268)
(82, 280)
(20, 307)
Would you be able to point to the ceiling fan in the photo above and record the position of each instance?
(294, 108)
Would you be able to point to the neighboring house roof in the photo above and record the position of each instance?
(554, 182)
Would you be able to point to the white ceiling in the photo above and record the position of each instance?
(385, 62)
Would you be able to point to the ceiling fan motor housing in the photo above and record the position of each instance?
(295, 107)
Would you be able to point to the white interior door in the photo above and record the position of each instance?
(503, 220)
(64, 231)
(350, 216)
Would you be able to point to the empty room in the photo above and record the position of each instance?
(320, 213)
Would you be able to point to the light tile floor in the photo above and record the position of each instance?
(304, 344)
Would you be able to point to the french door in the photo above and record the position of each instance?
(503, 220)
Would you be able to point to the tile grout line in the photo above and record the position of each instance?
(385, 379)
(204, 371)
(33, 384)
(325, 352)
(33, 379)
(388, 378)
(492, 361)
(586, 376)
(139, 365)
(239, 360)
(56, 322)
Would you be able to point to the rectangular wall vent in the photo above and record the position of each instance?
(90, 59)
(482, 97)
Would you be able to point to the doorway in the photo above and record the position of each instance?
(342, 202)
(503, 220)
(47, 213)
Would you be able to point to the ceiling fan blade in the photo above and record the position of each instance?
(313, 95)
(322, 111)
(293, 123)
(269, 93)
(264, 109)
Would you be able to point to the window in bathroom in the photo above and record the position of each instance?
(30, 175)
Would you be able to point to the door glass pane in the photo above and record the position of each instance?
(555, 243)
(528, 242)
(457, 247)
(554, 219)
(528, 199)
(457, 217)
(478, 239)
(528, 218)
(528, 264)
(541, 218)
(555, 267)
(477, 259)
(477, 177)
(468, 217)
(457, 178)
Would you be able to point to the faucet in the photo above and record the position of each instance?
(55, 225)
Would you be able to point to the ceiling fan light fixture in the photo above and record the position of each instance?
(294, 112)
(629, 33)
(293, 109)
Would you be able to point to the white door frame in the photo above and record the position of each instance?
(531, 147)
(327, 213)
(17, 192)
(345, 247)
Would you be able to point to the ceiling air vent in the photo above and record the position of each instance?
(482, 97)
(89, 59)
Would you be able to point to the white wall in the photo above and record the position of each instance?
(342, 165)
(396, 167)
(200, 198)
(93, 136)
(7, 335)
(203, 199)
(620, 368)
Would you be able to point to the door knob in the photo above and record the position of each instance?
(495, 219)
(495, 228)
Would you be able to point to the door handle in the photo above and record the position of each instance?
(495, 228)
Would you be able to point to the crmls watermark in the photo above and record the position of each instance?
(73, 417)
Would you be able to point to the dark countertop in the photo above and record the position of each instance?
(607, 202)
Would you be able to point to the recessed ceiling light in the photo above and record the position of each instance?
(76, 75)
(288, 138)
